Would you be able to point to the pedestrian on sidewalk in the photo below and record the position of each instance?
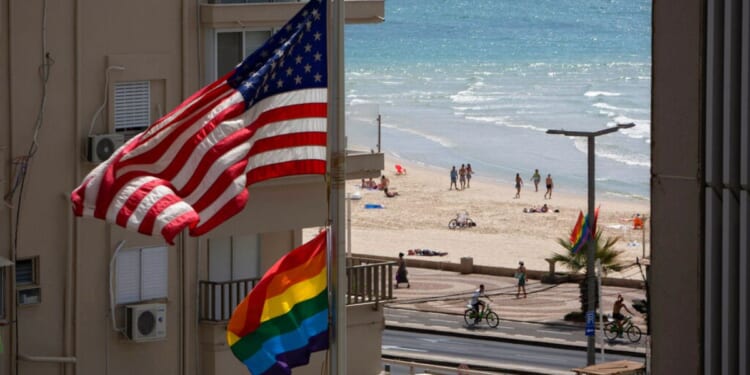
(521, 276)
(401, 272)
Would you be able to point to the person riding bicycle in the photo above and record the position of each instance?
(616, 308)
(476, 302)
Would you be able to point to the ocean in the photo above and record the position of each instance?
(480, 82)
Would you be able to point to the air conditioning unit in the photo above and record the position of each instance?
(146, 322)
(102, 146)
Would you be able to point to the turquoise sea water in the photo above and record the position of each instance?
(480, 81)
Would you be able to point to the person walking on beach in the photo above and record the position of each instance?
(462, 176)
(469, 172)
(519, 183)
(536, 178)
(521, 276)
(454, 178)
(548, 181)
(401, 272)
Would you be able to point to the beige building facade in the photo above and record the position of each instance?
(80, 296)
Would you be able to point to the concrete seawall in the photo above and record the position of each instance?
(466, 267)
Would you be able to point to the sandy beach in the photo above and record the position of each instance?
(418, 219)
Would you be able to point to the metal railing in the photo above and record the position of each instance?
(218, 299)
(369, 281)
(250, 1)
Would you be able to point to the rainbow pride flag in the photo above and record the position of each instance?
(582, 231)
(284, 318)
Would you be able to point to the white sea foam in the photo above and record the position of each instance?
(469, 97)
(503, 121)
(581, 145)
(592, 94)
(433, 138)
(357, 101)
(610, 107)
(642, 128)
(626, 196)
(605, 106)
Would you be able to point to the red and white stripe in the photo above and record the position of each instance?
(192, 167)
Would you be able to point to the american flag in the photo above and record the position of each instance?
(265, 119)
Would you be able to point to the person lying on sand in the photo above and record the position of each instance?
(390, 194)
(542, 209)
(427, 252)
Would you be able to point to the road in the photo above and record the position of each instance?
(488, 354)
(515, 346)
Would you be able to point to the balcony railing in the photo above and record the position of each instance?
(218, 299)
(250, 1)
(369, 281)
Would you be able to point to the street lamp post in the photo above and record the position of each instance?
(591, 245)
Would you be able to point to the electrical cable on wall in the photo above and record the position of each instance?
(23, 163)
(106, 95)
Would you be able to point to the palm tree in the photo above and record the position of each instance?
(605, 253)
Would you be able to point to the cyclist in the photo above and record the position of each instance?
(616, 308)
(476, 302)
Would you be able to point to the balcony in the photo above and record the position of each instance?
(369, 282)
(257, 13)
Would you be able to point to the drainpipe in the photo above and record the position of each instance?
(69, 309)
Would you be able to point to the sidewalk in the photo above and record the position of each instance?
(449, 292)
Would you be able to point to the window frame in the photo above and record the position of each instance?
(27, 292)
(212, 73)
(233, 239)
(122, 296)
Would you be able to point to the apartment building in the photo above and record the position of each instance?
(699, 282)
(80, 296)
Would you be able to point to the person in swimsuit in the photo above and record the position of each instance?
(536, 178)
(521, 276)
(462, 176)
(548, 181)
(469, 172)
(519, 183)
(454, 178)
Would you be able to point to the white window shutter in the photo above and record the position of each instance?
(245, 257)
(154, 273)
(220, 259)
(128, 276)
(132, 105)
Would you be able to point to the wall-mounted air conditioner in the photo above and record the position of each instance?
(102, 146)
(146, 322)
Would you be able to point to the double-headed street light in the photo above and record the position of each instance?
(591, 245)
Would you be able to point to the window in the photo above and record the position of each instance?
(233, 46)
(132, 105)
(230, 260)
(27, 281)
(233, 258)
(141, 274)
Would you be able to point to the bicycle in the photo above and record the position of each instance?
(471, 316)
(462, 220)
(612, 330)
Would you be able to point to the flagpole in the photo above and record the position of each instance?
(337, 160)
